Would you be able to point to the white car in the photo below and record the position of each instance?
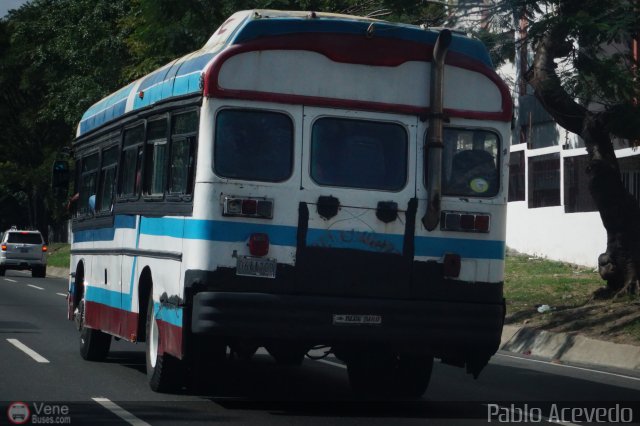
(23, 250)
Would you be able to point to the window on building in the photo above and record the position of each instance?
(544, 180)
(630, 171)
(182, 156)
(253, 145)
(155, 161)
(359, 154)
(108, 175)
(516, 176)
(576, 191)
(131, 172)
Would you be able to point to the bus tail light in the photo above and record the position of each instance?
(465, 222)
(247, 207)
(451, 265)
(259, 244)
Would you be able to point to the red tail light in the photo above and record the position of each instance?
(451, 265)
(259, 244)
(248, 207)
(44, 248)
(465, 222)
(4, 247)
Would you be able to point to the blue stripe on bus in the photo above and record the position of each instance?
(105, 234)
(171, 315)
(281, 235)
(256, 29)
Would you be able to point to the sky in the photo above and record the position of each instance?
(6, 5)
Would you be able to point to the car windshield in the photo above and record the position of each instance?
(24, 238)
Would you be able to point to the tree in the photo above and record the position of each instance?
(57, 57)
(586, 77)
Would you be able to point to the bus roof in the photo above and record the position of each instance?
(184, 76)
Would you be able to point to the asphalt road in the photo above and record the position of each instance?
(40, 365)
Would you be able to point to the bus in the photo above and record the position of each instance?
(304, 180)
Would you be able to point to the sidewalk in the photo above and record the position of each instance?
(569, 348)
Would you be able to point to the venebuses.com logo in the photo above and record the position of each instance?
(20, 413)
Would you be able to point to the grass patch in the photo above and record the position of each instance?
(531, 281)
(58, 255)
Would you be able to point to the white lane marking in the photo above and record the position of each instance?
(10, 280)
(35, 286)
(120, 412)
(531, 416)
(27, 350)
(570, 366)
(61, 294)
(335, 364)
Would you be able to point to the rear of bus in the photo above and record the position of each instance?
(310, 195)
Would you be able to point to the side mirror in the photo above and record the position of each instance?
(60, 175)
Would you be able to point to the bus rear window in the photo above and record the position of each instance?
(359, 154)
(469, 163)
(253, 145)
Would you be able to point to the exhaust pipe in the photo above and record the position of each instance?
(435, 144)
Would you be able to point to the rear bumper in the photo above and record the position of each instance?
(21, 263)
(444, 326)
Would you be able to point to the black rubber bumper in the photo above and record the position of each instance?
(311, 318)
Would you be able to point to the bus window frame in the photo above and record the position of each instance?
(192, 139)
(137, 190)
(148, 143)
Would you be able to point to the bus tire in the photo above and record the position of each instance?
(94, 344)
(163, 371)
(396, 375)
(412, 375)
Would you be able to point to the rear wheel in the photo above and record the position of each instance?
(94, 344)
(163, 371)
(2, 272)
(403, 375)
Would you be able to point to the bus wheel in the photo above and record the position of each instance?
(401, 375)
(412, 375)
(163, 371)
(94, 344)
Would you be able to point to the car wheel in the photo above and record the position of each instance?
(94, 344)
(2, 272)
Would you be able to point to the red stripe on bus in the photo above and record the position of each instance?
(124, 324)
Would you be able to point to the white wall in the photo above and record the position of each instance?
(551, 233)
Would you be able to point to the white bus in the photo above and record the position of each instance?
(304, 179)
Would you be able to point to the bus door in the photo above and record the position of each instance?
(357, 210)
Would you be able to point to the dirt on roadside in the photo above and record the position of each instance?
(617, 321)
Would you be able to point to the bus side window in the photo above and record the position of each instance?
(88, 184)
(182, 155)
(108, 174)
(131, 170)
(155, 161)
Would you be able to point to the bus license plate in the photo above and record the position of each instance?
(256, 267)
(354, 319)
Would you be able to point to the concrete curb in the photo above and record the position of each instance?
(53, 271)
(569, 348)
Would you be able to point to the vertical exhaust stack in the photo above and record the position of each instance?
(434, 136)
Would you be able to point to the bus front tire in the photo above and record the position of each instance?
(163, 371)
(94, 344)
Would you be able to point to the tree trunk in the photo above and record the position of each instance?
(619, 266)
